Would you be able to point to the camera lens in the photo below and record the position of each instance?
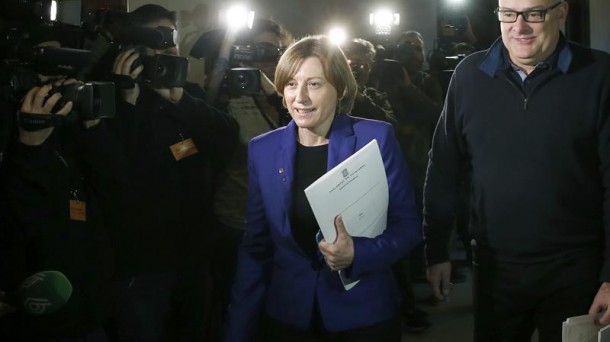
(243, 81)
(161, 70)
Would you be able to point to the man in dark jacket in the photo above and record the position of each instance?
(530, 119)
(175, 145)
(58, 189)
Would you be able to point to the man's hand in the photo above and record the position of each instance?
(339, 254)
(122, 66)
(267, 85)
(439, 277)
(602, 302)
(37, 101)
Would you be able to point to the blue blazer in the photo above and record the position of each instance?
(275, 277)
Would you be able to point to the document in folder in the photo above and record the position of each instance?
(358, 190)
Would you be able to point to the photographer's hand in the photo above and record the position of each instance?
(37, 101)
(267, 85)
(122, 66)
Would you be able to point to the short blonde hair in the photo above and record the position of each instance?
(335, 66)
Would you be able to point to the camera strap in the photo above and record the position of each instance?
(34, 122)
(122, 82)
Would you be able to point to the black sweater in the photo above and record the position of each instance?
(170, 200)
(37, 234)
(539, 156)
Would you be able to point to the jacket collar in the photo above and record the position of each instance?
(342, 144)
(495, 59)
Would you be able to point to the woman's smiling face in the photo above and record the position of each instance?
(311, 99)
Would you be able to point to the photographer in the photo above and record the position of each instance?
(257, 110)
(59, 185)
(416, 101)
(369, 103)
(176, 145)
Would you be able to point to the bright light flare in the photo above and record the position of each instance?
(53, 11)
(337, 35)
(238, 17)
(384, 18)
(455, 2)
(383, 21)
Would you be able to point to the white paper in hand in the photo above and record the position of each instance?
(357, 189)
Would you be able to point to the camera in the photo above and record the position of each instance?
(259, 52)
(119, 34)
(22, 64)
(91, 100)
(243, 81)
(163, 70)
(237, 81)
(28, 10)
(23, 61)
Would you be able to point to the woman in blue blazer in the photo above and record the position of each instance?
(285, 278)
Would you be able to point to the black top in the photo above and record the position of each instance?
(37, 232)
(170, 200)
(310, 163)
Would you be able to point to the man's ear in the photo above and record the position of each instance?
(563, 11)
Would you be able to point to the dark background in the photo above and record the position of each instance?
(353, 14)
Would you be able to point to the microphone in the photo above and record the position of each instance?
(43, 293)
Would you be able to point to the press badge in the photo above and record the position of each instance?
(78, 211)
(183, 149)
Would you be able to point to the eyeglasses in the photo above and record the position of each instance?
(530, 16)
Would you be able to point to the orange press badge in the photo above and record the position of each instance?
(183, 149)
(78, 210)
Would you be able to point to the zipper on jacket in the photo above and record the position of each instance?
(61, 158)
(520, 90)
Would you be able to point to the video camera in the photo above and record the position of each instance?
(258, 52)
(244, 81)
(90, 101)
(237, 81)
(23, 60)
(28, 10)
(118, 34)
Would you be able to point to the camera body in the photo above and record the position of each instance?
(28, 10)
(259, 52)
(164, 71)
(247, 81)
(160, 70)
(236, 81)
(91, 100)
(24, 62)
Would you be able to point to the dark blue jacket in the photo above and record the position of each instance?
(276, 277)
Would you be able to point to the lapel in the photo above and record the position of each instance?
(285, 165)
(342, 141)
